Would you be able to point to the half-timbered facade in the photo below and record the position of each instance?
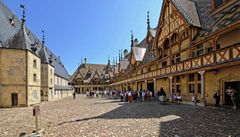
(195, 49)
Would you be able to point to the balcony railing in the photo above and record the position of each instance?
(214, 58)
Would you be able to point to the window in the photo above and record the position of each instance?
(51, 71)
(194, 83)
(218, 3)
(198, 77)
(34, 63)
(164, 64)
(178, 88)
(166, 47)
(191, 77)
(174, 38)
(209, 49)
(218, 46)
(178, 79)
(176, 58)
(51, 81)
(200, 50)
(34, 77)
(199, 88)
(191, 88)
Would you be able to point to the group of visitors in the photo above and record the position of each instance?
(141, 95)
(146, 95)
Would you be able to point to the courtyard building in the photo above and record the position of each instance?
(194, 50)
(29, 71)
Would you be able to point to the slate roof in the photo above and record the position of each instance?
(43, 54)
(19, 41)
(8, 33)
(88, 71)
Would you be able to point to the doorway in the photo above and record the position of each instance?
(42, 95)
(227, 98)
(150, 87)
(14, 99)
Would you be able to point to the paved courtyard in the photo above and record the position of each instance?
(108, 118)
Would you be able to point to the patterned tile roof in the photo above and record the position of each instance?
(89, 71)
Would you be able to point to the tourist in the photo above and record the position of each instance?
(143, 95)
(217, 98)
(129, 96)
(121, 95)
(231, 92)
(151, 94)
(194, 99)
(74, 95)
(126, 96)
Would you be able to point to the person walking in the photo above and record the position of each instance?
(217, 98)
(231, 92)
(74, 95)
(194, 99)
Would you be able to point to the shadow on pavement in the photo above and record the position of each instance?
(190, 121)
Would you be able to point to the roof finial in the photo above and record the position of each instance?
(23, 15)
(148, 20)
(132, 38)
(119, 56)
(43, 37)
(81, 60)
(108, 60)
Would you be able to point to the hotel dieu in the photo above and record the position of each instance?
(29, 71)
(194, 49)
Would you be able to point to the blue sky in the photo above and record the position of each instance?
(92, 29)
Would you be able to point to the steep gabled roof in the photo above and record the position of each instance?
(188, 10)
(138, 53)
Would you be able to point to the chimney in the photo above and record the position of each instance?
(85, 60)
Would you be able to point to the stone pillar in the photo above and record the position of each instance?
(203, 87)
(171, 89)
(155, 86)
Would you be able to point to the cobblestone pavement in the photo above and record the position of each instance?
(108, 118)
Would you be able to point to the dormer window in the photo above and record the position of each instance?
(218, 3)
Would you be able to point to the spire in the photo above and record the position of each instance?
(119, 56)
(132, 38)
(23, 15)
(148, 20)
(81, 60)
(108, 60)
(43, 38)
(45, 58)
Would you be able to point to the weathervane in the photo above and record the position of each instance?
(148, 20)
(23, 15)
(43, 38)
(132, 38)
